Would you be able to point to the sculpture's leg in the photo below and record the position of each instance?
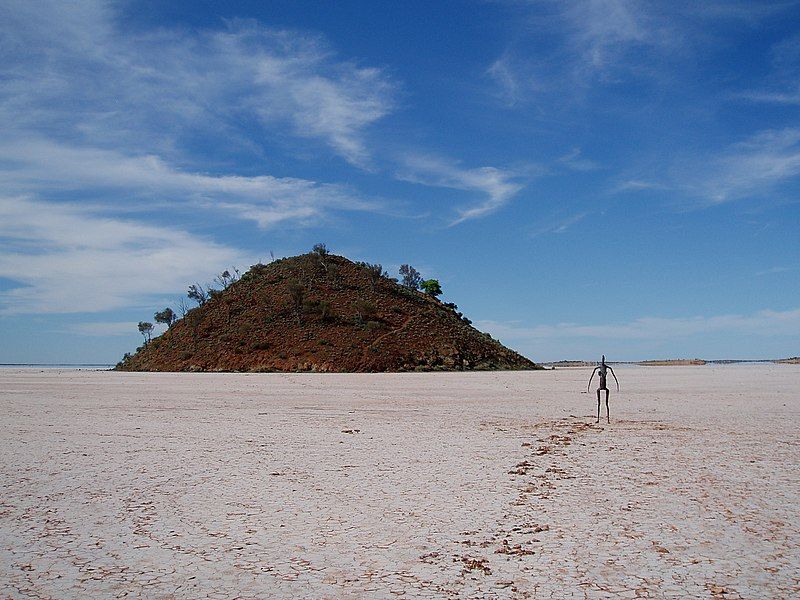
(608, 414)
(598, 405)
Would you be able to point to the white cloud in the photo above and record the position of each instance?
(70, 259)
(616, 34)
(505, 75)
(571, 46)
(36, 165)
(561, 225)
(575, 161)
(762, 323)
(748, 169)
(578, 43)
(497, 184)
(599, 30)
(635, 185)
(321, 98)
(67, 68)
(789, 97)
(751, 167)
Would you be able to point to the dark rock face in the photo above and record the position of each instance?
(324, 314)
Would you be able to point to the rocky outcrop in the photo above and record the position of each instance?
(322, 313)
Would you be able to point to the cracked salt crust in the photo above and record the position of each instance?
(485, 485)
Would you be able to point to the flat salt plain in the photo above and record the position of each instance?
(418, 485)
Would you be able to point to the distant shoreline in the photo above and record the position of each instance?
(56, 365)
(674, 362)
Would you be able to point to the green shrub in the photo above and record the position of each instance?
(373, 325)
(166, 316)
(311, 306)
(365, 310)
(297, 294)
(431, 287)
(325, 311)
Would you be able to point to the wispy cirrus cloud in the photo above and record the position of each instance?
(68, 68)
(751, 167)
(635, 185)
(600, 31)
(574, 160)
(42, 166)
(579, 44)
(582, 42)
(788, 96)
(780, 85)
(506, 76)
(561, 225)
(69, 258)
(88, 107)
(498, 185)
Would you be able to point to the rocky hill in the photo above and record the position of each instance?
(321, 313)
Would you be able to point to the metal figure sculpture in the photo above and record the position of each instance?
(601, 371)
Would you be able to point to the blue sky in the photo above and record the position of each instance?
(583, 177)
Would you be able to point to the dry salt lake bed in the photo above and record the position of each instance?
(418, 485)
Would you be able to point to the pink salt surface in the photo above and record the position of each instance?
(419, 485)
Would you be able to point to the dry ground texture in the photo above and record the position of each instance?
(486, 485)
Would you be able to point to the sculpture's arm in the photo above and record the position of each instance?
(588, 385)
(615, 377)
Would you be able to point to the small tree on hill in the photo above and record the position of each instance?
(365, 311)
(226, 278)
(166, 316)
(198, 294)
(297, 294)
(183, 307)
(325, 312)
(431, 287)
(320, 251)
(375, 272)
(146, 329)
(410, 277)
